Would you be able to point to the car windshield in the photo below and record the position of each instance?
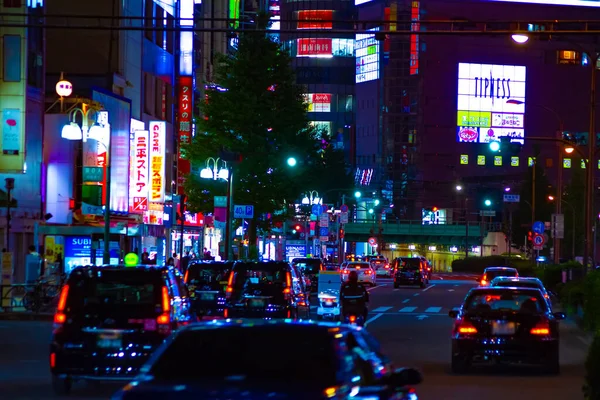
(358, 267)
(513, 301)
(134, 292)
(308, 266)
(409, 264)
(207, 274)
(270, 278)
(378, 262)
(308, 357)
(493, 273)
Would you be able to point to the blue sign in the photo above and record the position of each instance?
(538, 240)
(317, 209)
(538, 227)
(295, 251)
(241, 211)
(324, 231)
(78, 246)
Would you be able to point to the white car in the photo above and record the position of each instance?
(366, 274)
(381, 267)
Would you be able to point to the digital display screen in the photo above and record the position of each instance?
(491, 102)
(367, 57)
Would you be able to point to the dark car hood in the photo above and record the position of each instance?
(215, 391)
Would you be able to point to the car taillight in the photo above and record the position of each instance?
(465, 328)
(546, 296)
(229, 289)
(368, 272)
(345, 271)
(185, 277)
(541, 329)
(287, 291)
(60, 317)
(387, 267)
(164, 319)
(52, 360)
(352, 319)
(483, 282)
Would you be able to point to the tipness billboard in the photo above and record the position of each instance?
(491, 102)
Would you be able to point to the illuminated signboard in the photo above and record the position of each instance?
(138, 182)
(154, 215)
(184, 128)
(491, 102)
(315, 19)
(275, 12)
(580, 3)
(95, 160)
(359, 2)
(35, 3)
(314, 47)
(367, 57)
(318, 102)
(415, 26)
(157, 161)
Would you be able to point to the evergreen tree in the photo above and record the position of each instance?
(258, 111)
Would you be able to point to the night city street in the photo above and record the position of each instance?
(412, 325)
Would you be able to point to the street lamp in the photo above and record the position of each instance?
(487, 202)
(292, 162)
(458, 188)
(520, 38)
(357, 194)
(494, 146)
(311, 198)
(215, 172)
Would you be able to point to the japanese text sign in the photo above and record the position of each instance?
(157, 161)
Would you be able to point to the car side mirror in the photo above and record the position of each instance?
(559, 315)
(405, 377)
(453, 313)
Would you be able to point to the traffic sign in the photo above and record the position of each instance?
(324, 234)
(220, 201)
(344, 218)
(324, 221)
(538, 227)
(243, 211)
(539, 240)
(316, 209)
(372, 241)
(512, 198)
(558, 226)
(344, 208)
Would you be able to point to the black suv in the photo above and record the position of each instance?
(268, 289)
(310, 267)
(110, 319)
(410, 271)
(206, 283)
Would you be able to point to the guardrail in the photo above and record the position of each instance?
(413, 222)
(35, 298)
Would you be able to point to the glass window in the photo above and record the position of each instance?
(149, 20)
(349, 103)
(12, 58)
(511, 300)
(342, 47)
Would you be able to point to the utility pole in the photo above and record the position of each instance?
(10, 185)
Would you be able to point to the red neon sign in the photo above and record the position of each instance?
(184, 127)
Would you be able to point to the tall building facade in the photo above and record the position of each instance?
(22, 109)
(420, 127)
(324, 64)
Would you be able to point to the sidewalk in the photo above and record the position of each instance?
(26, 316)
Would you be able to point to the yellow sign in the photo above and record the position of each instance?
(131, 259)
(464, 159)
(480, 160)
(480, 119)
(157, 161)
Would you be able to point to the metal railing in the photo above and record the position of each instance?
(371, 221)
(40, 297)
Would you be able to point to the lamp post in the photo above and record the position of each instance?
(552, 198)
(224, 173)
(9, 185)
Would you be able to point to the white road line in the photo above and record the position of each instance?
(375, 287)
(415, 295)
(373, 318)
(433, 310)
(407, 309)
(456, 285)
(381, 309)
(428, 287)
(405, 301)
(395, 290)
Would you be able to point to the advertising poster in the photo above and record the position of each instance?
(314, 47)
(157, 161)
(11, 132)
(367, 57)
(491, 103)
(140, 172)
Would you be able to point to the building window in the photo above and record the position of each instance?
(569, 57)
(170, 32)
(149, 20)
(148, 94)
(349, 103)
(11, 58)
(35, 50)
(12, 4)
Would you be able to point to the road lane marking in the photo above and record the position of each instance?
(427, 288)
(433, 310)
(381, 309)
(451, 290)
(415, 295)
(405, 301)
(395, 290)
(375, 287)
(408, 309)
(373, 318)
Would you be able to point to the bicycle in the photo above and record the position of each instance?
(42, 296)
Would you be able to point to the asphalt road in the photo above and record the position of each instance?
(412, 325)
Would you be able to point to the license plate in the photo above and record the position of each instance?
(207, 296)
(109, 341)
(503, 328)
(257, 303)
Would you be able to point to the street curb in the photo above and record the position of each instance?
(25, 316)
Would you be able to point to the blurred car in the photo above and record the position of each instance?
(332, 267)
(310, 267)
(366, 274)
(409, 271)
(206, 283)
(493, 272)
(109, 320)
(497, 324)
(503, 281)
(381, 267)
(428, 267)
(271, 360)
(269, 289)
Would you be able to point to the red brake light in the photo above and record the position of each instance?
(483, 282)
(345, 271)
(185, 277)
(541, 329)
(352, 319)
(465, 328)
(60, 317)
(229, 289)
(52, 360)
(166, 303)
(368, 272)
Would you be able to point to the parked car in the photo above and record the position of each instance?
(110, 319)
(272, 360)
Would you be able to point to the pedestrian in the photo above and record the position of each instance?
(171, 262)
(176, 261)
(32, 266)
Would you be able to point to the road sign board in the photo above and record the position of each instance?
(316, 209)
(344, 208)
(372, 241)
(487, 213)
(140, 203)
(512, 198)
(558, 226)
(220, 201)
(324, 221)
(538, 227)
(344, 218)
(243, 211)
(538, 247)
(539, 240)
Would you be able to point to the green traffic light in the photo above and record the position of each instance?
(292, 162)
(371, 211)
(357, 194)
(494, 146)
(488, 203)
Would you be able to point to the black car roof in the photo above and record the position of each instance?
(332, 327)
(121, 267)
(491, 289)
(261, 264)
(517, 279)
(500, 269)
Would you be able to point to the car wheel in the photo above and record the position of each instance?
(552, 366)
(460, 364)
(62, 386)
